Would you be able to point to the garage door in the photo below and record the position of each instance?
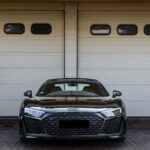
(31, 51)
(114, 49)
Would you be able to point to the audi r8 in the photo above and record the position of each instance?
(72, 108)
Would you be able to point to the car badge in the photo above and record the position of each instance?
(73, 109)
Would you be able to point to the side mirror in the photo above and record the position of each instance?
(116, 93)
(28, 93)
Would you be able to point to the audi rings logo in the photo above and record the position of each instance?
(73, 109)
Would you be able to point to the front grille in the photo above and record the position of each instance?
(51, 124)
(33, 125)
(112, 125)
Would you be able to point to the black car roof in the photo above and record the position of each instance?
(73, 79)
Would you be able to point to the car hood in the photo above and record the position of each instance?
(82, 102)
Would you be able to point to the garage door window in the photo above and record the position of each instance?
(126, 29)
(41, 28)
(147, 29)
(100, 29)
(14, 28)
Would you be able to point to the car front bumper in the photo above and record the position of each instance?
(99, 128)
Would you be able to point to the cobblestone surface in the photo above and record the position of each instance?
(136, 140)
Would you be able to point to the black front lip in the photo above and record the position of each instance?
(100, 136)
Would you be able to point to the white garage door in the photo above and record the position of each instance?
(121, 62)
(27, 60)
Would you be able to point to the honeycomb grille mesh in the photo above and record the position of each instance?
(112, 125)
(33, 125)
(51, 124)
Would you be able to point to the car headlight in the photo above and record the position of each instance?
(111, 112)
(33, 112)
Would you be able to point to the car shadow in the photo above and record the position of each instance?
(74, 144)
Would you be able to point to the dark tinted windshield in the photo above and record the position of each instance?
(72, 89)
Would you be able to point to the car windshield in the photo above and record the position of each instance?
(72, 89)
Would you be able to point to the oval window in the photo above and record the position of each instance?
(14, 28)
(100, 29)
(147, 29)
(127, 29)
(41, 28)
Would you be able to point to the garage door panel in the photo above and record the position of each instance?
(85, 27)
(119, 72)
(14, 85)
(32, 15)
(113, 16)
(118, 45)
(136, 108)
(9, 106)
(28, 45)
(56, 29)
(120, 62)
(130, 91)
(31, 60)
(28, 75)
(113, 78)
(27, 60)
(16, 89)
(55, 19)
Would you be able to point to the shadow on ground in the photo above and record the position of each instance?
(136, 140)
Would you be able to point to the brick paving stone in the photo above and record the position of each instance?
(136, 140)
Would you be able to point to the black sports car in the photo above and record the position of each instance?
(72, 108)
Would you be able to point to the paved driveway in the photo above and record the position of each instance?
(136, 140)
